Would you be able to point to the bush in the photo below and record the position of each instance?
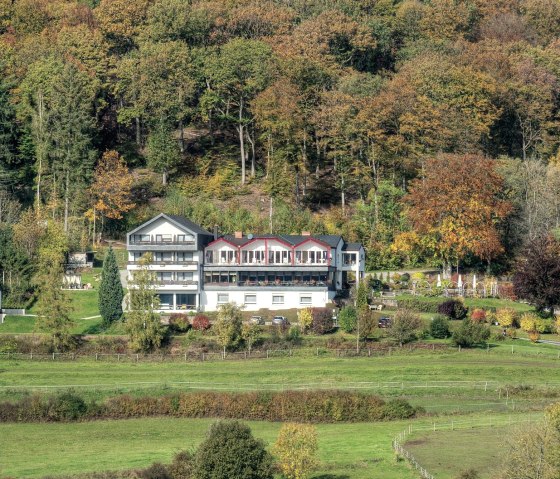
(478, 315)
(419, 304)
(506, 317)
(182, 465)
(201, 322)
(322, 321)
(471, 334)
(294, 334)
(347, 319)
(296, 450)
(155, 471)
(305, 318)
(453, 309)
(231, 452)
(67, 407)
(179, 323)
(404, 326)
(439, 327)
(398, 409)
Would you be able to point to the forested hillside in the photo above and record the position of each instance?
(428, 130)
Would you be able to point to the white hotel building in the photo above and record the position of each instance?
(196, 270)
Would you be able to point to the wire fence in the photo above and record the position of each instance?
(372, 352)
(399, 441)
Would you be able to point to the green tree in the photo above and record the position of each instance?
(142, 322)
(439, 327)
(163, 151)
(470, 334)
(228, 326)
(53, 304)
(364, 317)
(404, 325)
(231, 452)
(347, 319)
(110, 290)
(235, 75)
(296, 449)
(250, 333)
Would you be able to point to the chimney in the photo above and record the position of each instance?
(305, 233)
(215, 232)
(238, 235)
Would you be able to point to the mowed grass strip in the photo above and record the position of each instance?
(347, 451)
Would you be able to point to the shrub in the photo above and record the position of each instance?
(294, 334)
(478, 315)
(201, 322)
(67, 407)
(322, 321)
(347, 319)
(468, 474)
(534, 336)
(506, 317)
(470, 334)
(182, 465)
(155, 471)
(179, 323)
(398, 409)
(231, 452)
(296, 450)
(439, 327)
(419, 304)
(453, 309)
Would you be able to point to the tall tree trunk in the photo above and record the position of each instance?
(181, 137)
(138, 131)
(66, 199)
(241, 131)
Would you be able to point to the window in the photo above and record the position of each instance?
(305, 300)
(164, 276)
(142, 238)
(183, 257)
(185, 276)
(277, 299)
(250, 299)
(185, 238)
(164, 238)
(227, 256)
(223, 298)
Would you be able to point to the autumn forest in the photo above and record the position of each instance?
(427, 130)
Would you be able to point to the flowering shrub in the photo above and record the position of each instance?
(201, 322)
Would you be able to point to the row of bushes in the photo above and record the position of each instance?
(300, 406)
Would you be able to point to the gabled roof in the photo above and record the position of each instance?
(352, 247)
(179, 221)
(293, 240)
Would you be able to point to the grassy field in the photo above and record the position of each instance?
(347, 451)
(424, 378)
(444, 453)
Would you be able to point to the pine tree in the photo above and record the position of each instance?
(110, 290)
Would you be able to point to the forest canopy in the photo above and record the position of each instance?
(354, 117)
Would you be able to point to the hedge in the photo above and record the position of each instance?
(419, 305)
(299, 406)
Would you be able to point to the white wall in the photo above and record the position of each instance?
(319, 299)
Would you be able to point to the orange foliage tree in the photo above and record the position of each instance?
(456, 207)
(111, 190)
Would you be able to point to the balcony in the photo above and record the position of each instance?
(166, 263)
(160, 239)
(273, 284)
(177, 282)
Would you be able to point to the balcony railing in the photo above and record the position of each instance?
(167, 263)
(263, 263)
(176, 282)
(269, 284)
(160, 242)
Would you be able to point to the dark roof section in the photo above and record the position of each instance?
(351, 247)
(189, 225)
(331, 240)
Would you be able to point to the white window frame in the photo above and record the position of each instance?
(222, 295)
(301, 300)
(251, 295)
(275, 300)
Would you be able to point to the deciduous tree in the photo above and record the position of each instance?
(296, 449)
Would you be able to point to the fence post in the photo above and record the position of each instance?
(486, 386)
(53, 356)
(136, 357)
(369, 352)
(317, 351)
(96, 356)
(202, 357)
(512, 350)
(31, 356)
(118, 357)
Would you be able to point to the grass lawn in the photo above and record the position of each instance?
(446, 454)
(347, 451)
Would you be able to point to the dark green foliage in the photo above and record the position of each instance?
(398, 409)
(439, 327)
(15, 265)
(110, 290)
(68, 407)
(453, 309)
(471, 334)
(347, 319)
(231, 452)
(294, 335)
(322, 321)
(179, 323)
(468, 474)
(422, 305)
(155, 471)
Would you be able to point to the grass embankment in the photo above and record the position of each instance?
(424, 378)
(346, 451)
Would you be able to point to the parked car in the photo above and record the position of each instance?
(384, 322)
(256, 320)
(280, 320)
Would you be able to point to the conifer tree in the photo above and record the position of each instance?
(110, 290)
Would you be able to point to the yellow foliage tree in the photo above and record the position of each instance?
(528, 322)
(506, 317)
(296, 450)
(305, 318)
